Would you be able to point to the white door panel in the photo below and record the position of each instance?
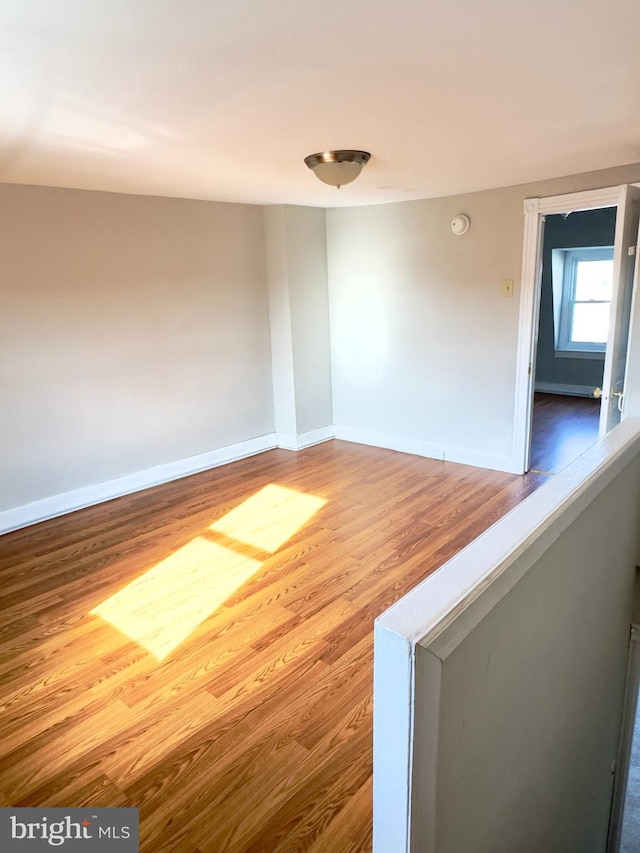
(627, 222)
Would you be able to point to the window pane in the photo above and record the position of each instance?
(590, 322)
(593, 280)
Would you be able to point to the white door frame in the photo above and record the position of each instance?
(535, 209)
(624, 286)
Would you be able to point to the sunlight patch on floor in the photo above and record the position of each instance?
(269, 518)
(167, 603)
(162, 607)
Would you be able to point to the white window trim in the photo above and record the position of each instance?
(563, 266)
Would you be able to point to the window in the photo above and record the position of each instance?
(583, 299)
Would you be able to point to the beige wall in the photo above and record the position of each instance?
(310, 317)
(424, 343)
(133, 332)
(296, 257)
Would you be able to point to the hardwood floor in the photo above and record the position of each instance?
(252, 734)
(563, 428)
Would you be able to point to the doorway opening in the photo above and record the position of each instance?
(573, 329)
(575, 308)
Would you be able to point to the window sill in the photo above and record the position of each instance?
(580, 353)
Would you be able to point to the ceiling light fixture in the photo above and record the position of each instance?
(337, 168)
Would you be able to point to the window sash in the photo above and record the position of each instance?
(564, 338)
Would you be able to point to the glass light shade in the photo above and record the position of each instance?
(337, 168)
(337, 174)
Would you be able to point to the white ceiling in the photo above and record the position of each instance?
(222, 99)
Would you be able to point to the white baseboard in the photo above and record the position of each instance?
(560, 388)
(61, 504)
(306, 439)
(480, 459)
(450, 453)
(389, 442)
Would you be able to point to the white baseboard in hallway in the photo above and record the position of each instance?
(569, 390)
(61, 504)
(90, 495)
(445, 453)
(305, 439)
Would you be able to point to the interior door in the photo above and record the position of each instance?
(624, 262)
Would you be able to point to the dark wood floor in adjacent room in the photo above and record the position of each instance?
(563, 428)
(253, 734)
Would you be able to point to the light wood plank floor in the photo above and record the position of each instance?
(253, 734)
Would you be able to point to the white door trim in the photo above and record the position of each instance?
(529, 305)
(622, 299)
(572, 202)
(534, 211)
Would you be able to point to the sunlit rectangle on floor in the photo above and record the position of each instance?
(267, 519)
(163, 606)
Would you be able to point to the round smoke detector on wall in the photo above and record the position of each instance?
(460, 224)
